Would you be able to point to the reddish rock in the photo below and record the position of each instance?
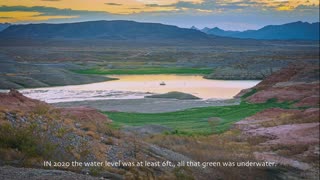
(283, 75)
(283, 128)
(290, 134)
(287, 93)
(85, 114)
(309, 101)
(272, 157)
(14, 100)
(279, 116)
(294, 83)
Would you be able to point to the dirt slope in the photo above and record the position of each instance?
(287, 136)
(32, 131)
(294, 83)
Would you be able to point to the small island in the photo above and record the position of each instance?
(175, 95)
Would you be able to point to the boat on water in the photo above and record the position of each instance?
(162, 84)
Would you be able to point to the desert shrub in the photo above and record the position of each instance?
(41, 109)
(25, 140)
(92, 134)
(290, 150)
(140, 173)
(290, 118)
(10, 154)
(95, 171)
(255, 140)
(183, 173)
(21, 139)
(108, 141)
(61, 132)
(110, 131)
(225, 147)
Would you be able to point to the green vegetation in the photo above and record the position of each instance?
(250, 93)
(18, 139)
(25, 140)
(138, 71)
(196, 121)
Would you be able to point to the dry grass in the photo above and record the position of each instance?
(290, 150)
(23, 144)
(226, 147)
(41, 109)
(290, 118)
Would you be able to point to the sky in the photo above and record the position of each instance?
(226, 14)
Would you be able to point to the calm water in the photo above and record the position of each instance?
(138, 86)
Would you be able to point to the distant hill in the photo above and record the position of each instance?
(103, 30)
(4, 26)
(291, 31)
(219, 32)
(195, 28)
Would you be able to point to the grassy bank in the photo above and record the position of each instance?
(196, 121)
(138, 71)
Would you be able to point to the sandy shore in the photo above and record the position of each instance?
(148, 105)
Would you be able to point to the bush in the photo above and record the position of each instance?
(21, 139)
(183, 173)
(25, 140)
(41, 109)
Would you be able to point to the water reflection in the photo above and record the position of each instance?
(138, 86)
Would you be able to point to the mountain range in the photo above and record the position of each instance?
(117, 30)
(290, 31)
(131, 30)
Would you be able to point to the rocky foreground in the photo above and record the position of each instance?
(32, 132)
(13, 173)
(287, 136)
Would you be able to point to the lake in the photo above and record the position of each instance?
(138, 86)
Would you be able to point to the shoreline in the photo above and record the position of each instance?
(147, 105)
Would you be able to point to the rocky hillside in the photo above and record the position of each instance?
(297, 83)
(32, 132)
(13, 173)
(14, 74)
(289, 137)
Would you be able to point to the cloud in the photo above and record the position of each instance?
(47, 10)
(6, 18)
(40, 13)
(183, 12)
(20, 16)
(158, 5)
(131, 6)
(51, 0)
(231, 5)
(283, 5)
(113, 4)
(109, 6)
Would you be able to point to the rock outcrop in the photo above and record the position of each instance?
(289, 137)
(174, 95)
(294, 83)
(32, 132)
